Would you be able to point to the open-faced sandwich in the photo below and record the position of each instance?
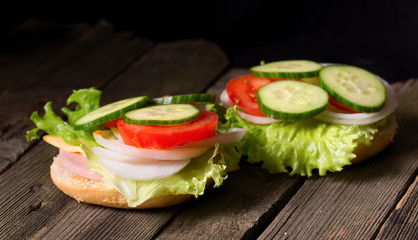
(137, 152)
(302, 116)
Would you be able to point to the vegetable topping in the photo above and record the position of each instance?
(287, 69)
(351, 90)
(291, 100)
(354, 87)
(162, 114)
(167, 136)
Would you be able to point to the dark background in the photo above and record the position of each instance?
(381, 36)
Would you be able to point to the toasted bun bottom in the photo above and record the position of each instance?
(380, 141)
(96, 192)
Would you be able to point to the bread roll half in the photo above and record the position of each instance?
(380, 141)
(96, 192)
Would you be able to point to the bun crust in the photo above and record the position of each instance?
(96, 192)
(380, 141)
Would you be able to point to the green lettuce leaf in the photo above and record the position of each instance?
(87, 99)
(301, 147)
(214, 164)
(217, 108)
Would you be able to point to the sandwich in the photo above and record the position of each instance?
(304, 118)
(137, 152)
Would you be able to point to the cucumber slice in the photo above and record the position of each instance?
(110, 112)
(354, 87)
(287, 69)
(162, 114)
(186, 98)
(291, 100)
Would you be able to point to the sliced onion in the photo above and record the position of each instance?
(160, 154)
(145, 164)
(257, 119)
(363, 118)
(143, 171)
(78, 164)
(115, 132)
(225, 100)
(119, 157)
(232, 135)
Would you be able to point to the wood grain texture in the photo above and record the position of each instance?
(180, 67)
(354, 203)
(403, 221)
(240, 209)
(28, 196)
(93, 60)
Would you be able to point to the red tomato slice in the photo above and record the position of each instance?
(339, 105)
(167, 136)
(243, 92)
(112, 124)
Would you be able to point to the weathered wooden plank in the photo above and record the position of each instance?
(26, 192)
(403, 221)
(31, 44)
(180, 67)
(354, 204)
(93, 60)
(68, 219)
(241, 208)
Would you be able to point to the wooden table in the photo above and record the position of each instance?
(42, 62)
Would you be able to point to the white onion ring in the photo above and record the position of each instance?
(363, 118)
(160, 154)
(115, 132)
(146, 164)
(257, 119)
(143, 171)
(225, 100)
(232, 135)
(122, 162)
(119, 157)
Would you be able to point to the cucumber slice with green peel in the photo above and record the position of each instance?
(354, 87)
(186, 98)
(110, 112)
(162, 114)
(287, 69)
(291, 100)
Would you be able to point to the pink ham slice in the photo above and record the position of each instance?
(78, 164)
